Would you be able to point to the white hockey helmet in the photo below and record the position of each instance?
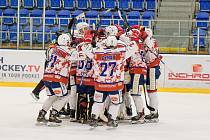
(111, 30)
(64, 40)
(149, 32)
(81, 27)
(125, 38)
(111, 41)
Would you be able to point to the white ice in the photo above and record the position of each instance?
(182, 117)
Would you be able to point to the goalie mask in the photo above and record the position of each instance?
(111, 42)
(111, 30)
(64, 40)
(81, 27)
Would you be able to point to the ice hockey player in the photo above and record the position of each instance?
(137, 70)
(153, 59)
(56, 78)
(109, 77)
(40, 86)
(117, 31)
(84, 75)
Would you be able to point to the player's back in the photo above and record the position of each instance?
(58, 67)
(109, 68)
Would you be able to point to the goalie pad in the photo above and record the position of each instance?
(127, 78)
(137, 80)
(72, 81)
(152, 75)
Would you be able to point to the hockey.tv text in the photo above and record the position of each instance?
(17, 67)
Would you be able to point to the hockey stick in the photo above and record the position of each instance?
(84, 69)
(73, 22)
(122, 17)
(100, 17)
(149, 107)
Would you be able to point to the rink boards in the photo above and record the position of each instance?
(179, 73)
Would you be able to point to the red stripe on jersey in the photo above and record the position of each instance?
(155, 63)
(86, 81)
(109, 87)
(60, 52)
(73, 70)
(120, 45)
(138, 70)
(107, 56)
(55, 78)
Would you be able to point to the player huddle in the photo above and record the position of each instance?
(97, 73)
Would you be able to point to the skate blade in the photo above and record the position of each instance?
(64, 116)
(41, 123)
(92, 128)
(152, 121)
(138, 122)
(100, 123)
(72, 120)
(53, 124)
(111, 127)
(34, 97)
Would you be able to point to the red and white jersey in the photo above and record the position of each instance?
(140, 30)
(59, 65)
(151, 53)
(137, 63)
(109, 68)
(73, 68)
(84, 70)
(109, 65)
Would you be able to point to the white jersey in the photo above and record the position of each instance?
(58, 67)
(137, 63)
(84, 70)
(151, 56)
(109, 66)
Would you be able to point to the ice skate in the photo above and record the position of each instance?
(53, 120)
(63, 113)
(83, 115)
(41, 118)
(72, 115)
(111, 122)
(35, 96)
(129, 111)
(139, 118)
(93, 121)
(152, 118)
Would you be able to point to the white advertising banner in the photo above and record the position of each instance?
(186, 71)
(21, 65)
(179, 71)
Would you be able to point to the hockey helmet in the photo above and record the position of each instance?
(149, 32)
(111, 41)
(111, 30)
(81, 27)
(64, 40)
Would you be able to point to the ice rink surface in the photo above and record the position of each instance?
(182, 117)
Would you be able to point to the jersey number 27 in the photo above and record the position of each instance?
(105, 66)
